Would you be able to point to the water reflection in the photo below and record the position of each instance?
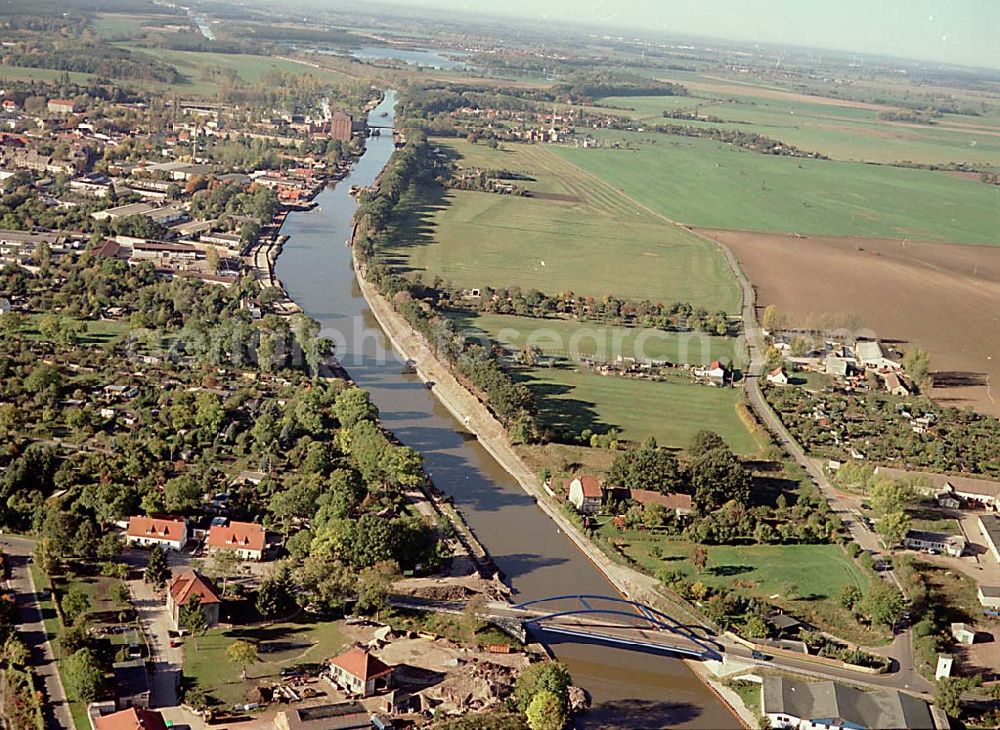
(629, 689)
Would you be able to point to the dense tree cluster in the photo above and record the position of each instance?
(88, 56)
(713, 476)
(597, 83)
(721, 486)
(336, 481)
(218, 200)
(22, 208)
(753, 141)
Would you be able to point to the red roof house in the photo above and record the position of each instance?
(360, 672)
(167, 532)
(183, 588)
(245, 538)
(131, 719)
(681, 504)
(778, 376)
(107, 249)
(585, 493)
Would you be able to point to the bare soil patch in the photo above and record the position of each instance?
(943, 297)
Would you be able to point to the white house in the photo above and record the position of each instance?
(360, 672)
(952, 545)
(169, 533)
(778, 376)
(246, 539)
(585, 494)
(963, 633)
(715, 372)
(945, 663)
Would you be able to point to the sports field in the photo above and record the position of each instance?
(575, 234)
(569, 338)
(673, 412)
(704, 183)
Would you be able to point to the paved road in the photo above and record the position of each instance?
(901, 649)
(167, 662)
(32, 632)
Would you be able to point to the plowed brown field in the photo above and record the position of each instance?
(942, 297)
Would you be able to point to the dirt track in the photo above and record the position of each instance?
(944, 297)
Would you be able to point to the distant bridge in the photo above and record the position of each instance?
(606, 619)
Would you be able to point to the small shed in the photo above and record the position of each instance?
(786, 625)
(963, 633)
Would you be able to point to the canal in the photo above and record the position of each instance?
(629, 689)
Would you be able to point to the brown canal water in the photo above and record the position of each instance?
(630, 689)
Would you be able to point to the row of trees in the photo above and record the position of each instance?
(678, 316)
(512, 402)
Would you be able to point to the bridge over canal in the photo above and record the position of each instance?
(604, 619)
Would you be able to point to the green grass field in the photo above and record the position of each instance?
(820, 571)
(189, 63)
(24, 73)
(92, 331)
(568, 337)
(576, 235)
(704, 183)
(671, 411)
(805, 580)
(248, 67)
(118, 25)
(206, 664)
(840, 132)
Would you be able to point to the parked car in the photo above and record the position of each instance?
(760, 656)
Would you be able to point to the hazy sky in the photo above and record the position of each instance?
(954, 31)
